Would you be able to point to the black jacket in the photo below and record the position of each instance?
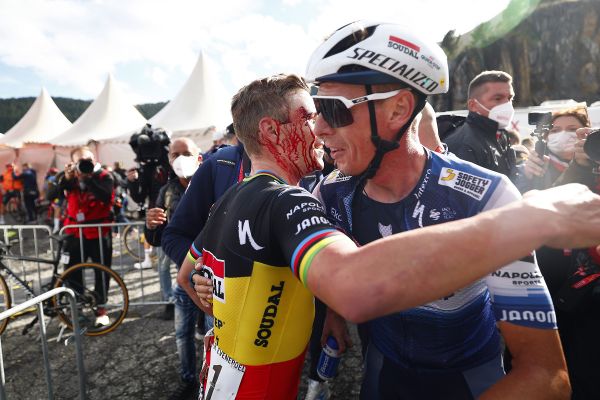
(476, 141)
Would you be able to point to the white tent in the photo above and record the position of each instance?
(110, 115)
(200, 104)
(42, 122)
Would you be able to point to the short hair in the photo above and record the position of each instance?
(487, 77)
(192, 146)
(579, 112)
(267, 97)
(80, 149)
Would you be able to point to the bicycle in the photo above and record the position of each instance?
(96, 317)
(133, 241)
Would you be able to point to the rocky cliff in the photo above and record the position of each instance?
(551, 48)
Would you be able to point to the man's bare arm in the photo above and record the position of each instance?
(539, 370)
(416, 267)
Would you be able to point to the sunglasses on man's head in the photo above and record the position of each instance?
(336, 109)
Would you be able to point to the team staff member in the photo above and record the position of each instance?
(266, 236)
(89, 193)
(482, 139)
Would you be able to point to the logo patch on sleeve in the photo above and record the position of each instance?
(471, 185)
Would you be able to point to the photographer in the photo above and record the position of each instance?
(542, 170)
(89, 195)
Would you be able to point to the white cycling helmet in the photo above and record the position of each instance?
(366, 52)
(372, 53)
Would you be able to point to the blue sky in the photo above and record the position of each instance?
(150, 47)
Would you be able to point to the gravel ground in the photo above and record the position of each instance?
(136, 361)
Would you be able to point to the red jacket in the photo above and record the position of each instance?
(94, 204)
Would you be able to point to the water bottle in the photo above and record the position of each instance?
(329, 360)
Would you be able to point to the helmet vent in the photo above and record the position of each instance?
(355, 37)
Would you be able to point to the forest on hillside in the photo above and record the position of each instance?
(11, 110)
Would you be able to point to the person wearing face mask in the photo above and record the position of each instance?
(570, 273)
(542, 171)
(184, 158)
(89, 194)
(482, 138)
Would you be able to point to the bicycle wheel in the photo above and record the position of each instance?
(5, 302)
(101, 297)
(133, 241)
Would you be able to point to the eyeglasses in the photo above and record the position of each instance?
(336, 109)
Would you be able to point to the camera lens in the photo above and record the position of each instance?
(592, 145)
(85, 166)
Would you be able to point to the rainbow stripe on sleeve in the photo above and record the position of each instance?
(194, 253)
(309, 248)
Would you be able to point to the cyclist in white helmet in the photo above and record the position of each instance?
(373, 78)
(267, 239)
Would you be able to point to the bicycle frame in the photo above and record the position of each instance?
(54, 262)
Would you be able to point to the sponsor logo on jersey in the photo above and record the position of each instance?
(537, 316)
(517, 275)
(421, 189)
(397, 67)
(335, 176)
(448, 213)
(304, 207)
(335, 214)
(384, 230)
(434, 214)
(226, 162)
(308, 222)
(469, 184)
(268, 320)
(245, 233)
(404, 46)
(418, 212)
(214, 269)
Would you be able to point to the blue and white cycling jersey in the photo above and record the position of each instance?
(459, 331)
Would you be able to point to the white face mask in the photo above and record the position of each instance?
(562, 142)
(502, 113)
(185, 166)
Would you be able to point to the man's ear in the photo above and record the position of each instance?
(473, 106)
(267, 130)
(402, 106)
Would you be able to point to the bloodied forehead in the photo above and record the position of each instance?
(301, 106)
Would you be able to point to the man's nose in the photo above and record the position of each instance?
(322, 128)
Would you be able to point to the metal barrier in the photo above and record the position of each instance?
(40, 236)
(36, 239)
(77, 334)
(136, 283)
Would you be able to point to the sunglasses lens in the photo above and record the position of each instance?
(334, 112)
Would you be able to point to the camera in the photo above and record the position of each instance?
(151, 146)
(592, 145)
(85, 166)
(543, 124)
